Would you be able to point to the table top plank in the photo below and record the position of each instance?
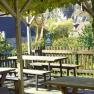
(5, 69)
(69, 81)
(55, 64)
(40, 58)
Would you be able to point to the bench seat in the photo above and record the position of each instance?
(36, 73)
(16, 83)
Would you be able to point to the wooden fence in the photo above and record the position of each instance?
(5, 62)
(84, 58)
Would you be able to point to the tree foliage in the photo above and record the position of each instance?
(86, 39)
(5, 48)
(59, 29)
(39, 6)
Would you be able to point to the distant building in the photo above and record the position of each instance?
(7, 25)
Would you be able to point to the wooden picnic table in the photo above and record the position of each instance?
(3, 73)
(74, 82)
(49, 60)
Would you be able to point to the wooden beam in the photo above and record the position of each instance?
(31, 21)
(10, 10)
(86, 8)
(89, 8)
(7, 7)
(16, 15)
(26, 4)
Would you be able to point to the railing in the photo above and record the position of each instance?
(5, 62)
(84, 58)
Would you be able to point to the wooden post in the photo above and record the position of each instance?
(17, 15)
(76, 59)
(28, 36)
(19, 47)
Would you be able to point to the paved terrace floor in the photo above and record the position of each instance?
(29, 88)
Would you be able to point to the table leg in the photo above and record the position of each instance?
(74, 91)
(44, 75)
(60, 68)
(49, 67)
(74, 71)
(3, 78)
(17, 88)
(36, 77)
(67, 72)
(64, 90)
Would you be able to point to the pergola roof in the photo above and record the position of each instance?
(18, 7)
(35, 6)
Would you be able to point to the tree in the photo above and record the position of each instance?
(85, 38)
(88, 5)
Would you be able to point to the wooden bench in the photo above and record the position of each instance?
(37, 73)
(86, 72)
(68, 67)
(16, 83)
(73, 82)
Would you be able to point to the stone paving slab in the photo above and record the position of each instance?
(41, 91)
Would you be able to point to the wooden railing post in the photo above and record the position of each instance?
(76, 62)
